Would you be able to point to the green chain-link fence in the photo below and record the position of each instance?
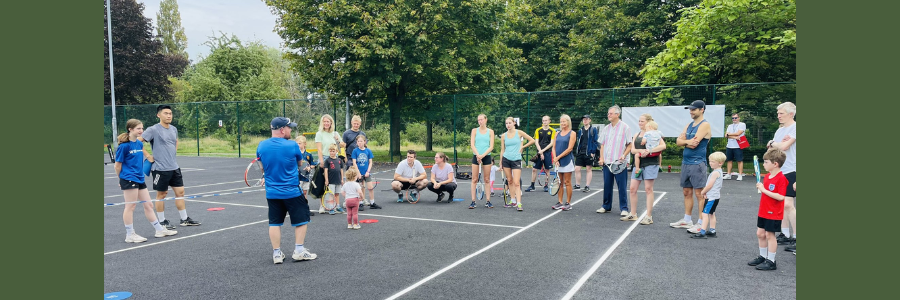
(444, 122)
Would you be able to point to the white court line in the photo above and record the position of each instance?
(606, 255)
(183, 237)
(446, 221)
(203, 193)
(188, 187)
(451, 266)
(226, 203)
(182, 170)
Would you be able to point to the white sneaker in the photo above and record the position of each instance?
(305, 255)
(602, 211)
(740, 177)
(321, 210)
(278, 258)
(726, 177)
(624, 213)
(682, 224)
(349, 226)
(165, 232)
(356, 226)
(695, 228)
(134, 238)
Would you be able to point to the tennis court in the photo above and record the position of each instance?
(441, 250)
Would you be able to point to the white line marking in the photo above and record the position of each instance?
(606, 255)
(182, 170)
(202, 193)
(451, 266)
(181, 238)
(446, 221)
(187, 187)
(226, 203)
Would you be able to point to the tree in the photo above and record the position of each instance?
(370, 49)
(729, 42)
(169, 31)
(141, 71)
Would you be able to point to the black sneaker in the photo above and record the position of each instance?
(576, 187)
(189, 222)
(586, 189)
(440, 197)
(374, 206)
(166, 224)
(711, 234)
(767, 265)
(361, 207)
(759, 259)
(450, 199)
(783, 239)
(699, 236)
(792, 247)
(530, 188)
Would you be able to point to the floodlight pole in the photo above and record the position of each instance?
(112, 83)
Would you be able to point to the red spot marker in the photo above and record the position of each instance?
(368, 221)
(215, 208)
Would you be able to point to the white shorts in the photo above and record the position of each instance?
(567, 168)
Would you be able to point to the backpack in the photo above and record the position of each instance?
(317, 182)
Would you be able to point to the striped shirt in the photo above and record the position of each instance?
(614, 139)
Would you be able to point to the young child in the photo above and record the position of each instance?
(494, 169)
(304, 181)
(362, 161)
(771, 209)
(712, 195)
(334, 173)
(351, 191)
(651, 138)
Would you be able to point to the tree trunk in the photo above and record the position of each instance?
(395, 102)
(428, 125)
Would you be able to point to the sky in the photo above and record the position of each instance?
(247, 19)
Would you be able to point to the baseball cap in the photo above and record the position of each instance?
(586, 117)
(279, 122)
(696, 104)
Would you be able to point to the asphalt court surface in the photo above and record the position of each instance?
(442, 250)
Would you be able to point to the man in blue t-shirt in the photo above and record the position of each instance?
(279, 157)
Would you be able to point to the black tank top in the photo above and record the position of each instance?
(646, 161)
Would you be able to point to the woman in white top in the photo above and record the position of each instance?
(326, 137)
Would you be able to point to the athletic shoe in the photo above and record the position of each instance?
(759, 259)
(134, 238)
(312, 214)
(740, 177)
(349, 226)
(557, 206)
(783, 239)
(400, 198)
(682, 224)
(726, 177)
(414, 196)
(602, 211)
(472, 206)
(341, 210)
(361, 207)
(576, 187)
(331, 212)
(792, 247)
(488, 204)
(321, 210)
(586, 189)
(305, 255)
(695, 228)
(530, 188)
(711, 234)
(628, 218)
(165, 232)
(767, 265)
(374, 206)
(567, 207)
(356, 226)
(698, 236)
(492, 193)
(189, 222)
(789, 241)
(278, 258)
(647, 220)
(165, 224)
(440, 197)
(624, 213)
(546, 189)
(519, 207)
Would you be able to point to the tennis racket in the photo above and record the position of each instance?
(479, 187)
(304, 172)
(554, 183)
(253, 176)
(542, 178)
(756, 168)
(328, 200)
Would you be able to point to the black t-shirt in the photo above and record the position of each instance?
(334, 166)
(645, 161)
(544, 136)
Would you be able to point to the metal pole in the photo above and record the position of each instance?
(112, 82)
(454, 129)
(197, 118)
(347, 114)
(239, 128)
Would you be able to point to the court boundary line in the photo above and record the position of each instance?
(182, 170)
(187, 187)
(482, 250)
(181, 238)
(587, 275)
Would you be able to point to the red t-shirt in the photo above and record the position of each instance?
(769, 208)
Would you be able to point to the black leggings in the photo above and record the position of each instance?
(449, 188)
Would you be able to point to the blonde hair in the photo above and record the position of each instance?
(131, 124)
(788, 107)
(333, 146)
(351, 174)
(300, 139)
(647, 117)
(652, 125)
(718, 157)
(356, 118)
(565, 117)
(322, 126)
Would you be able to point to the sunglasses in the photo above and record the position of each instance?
(734, 118)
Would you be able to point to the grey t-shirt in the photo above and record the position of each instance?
(350, 139)
(162, 140)
(442, 174)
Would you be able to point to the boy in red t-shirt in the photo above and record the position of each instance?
(771, 209)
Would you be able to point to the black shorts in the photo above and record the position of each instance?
(298, 207)
(162, 180)
(734, 154)
(487, 160)
(404, 185)
(792, 178)
(709, 206)
(583, 160)
(511, 164)
(129, 185)
(768, 225)
(546, 163)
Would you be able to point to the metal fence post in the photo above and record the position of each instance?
(197, 118)
(239, 128)
(455, 159)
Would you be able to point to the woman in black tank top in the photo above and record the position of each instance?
(648, 164)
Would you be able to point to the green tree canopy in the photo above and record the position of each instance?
(169, 30)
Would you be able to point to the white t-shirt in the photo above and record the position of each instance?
(409, 172)
(734, 128)
(350, 189)
(790, 164)
(494, 170)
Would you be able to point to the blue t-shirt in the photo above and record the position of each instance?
(279, 158)
(362, 158)
(131, 155)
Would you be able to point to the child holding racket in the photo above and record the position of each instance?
(334, 173)
(304, 182)
(771, 209)
(129, 165)
(351, 190)
(711, 194)
(362, 160)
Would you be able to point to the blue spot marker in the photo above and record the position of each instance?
(116, 296)
(458, 199)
